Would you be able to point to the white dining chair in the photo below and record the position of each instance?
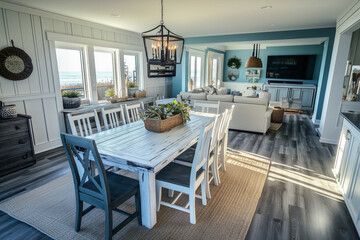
(132, 112)
(187, 157)
(223, 138)
(81, 123)
(206, 106)
(113, 117)
(186, 180)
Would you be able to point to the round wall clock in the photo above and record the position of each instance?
(15, 64)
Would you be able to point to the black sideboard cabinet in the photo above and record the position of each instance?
(16, 146)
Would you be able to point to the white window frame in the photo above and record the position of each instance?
(116, 71)
(84, 63)
(220, 65)
(136, 54)
(65, 41)
(197, 54)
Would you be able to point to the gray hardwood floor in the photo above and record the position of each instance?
(292, 206)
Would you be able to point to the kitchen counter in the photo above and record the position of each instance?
(353, 119)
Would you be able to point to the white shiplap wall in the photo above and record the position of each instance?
(36, 96)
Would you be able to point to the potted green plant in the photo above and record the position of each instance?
(166, 116)
(110, 93)
(132, 88)
(71, 99)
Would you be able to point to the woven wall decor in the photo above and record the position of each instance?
(15, 63)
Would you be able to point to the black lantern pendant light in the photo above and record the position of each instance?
(254, 61)
(163, 47)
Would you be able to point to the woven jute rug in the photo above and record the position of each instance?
(227, 215)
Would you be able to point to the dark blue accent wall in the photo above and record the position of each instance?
(323, 51)
(243, 55)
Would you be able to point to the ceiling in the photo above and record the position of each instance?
(200, 17)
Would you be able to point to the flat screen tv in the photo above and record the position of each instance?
(300, 67)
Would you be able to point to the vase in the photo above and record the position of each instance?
(132, 91)
(70, 103)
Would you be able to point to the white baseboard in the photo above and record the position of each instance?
(316, 121)
(328, 140)
(47, 146)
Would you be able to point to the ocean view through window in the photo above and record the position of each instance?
(105, 75)
(70, 68)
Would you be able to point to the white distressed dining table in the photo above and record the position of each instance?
(132, 147)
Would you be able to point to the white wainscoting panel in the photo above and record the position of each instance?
(37, 95)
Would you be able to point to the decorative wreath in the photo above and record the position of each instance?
(15, 63)
(234, 62)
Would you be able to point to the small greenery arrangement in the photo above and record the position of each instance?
(164, 111)
(70, 94)
(132, 85)
(234, 62)
(110, 92)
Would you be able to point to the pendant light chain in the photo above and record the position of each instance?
(162, 13)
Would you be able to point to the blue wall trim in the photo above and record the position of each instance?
(280, 35)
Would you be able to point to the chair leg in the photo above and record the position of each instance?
(223, 153)
(108, 224)
(205, 185)
(205, 191)
(158, 197)
(138, 207)
(192, 208)
(170, 193)
(215, 171)
(79, 210)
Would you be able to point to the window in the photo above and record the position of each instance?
(214, 72)
(93, 70)
(195, 73)
(105, 74)
(130, 68)
(214, 76)
(71, 74)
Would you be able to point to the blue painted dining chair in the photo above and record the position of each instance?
(106, 191)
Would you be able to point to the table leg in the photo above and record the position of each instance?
(148, 198)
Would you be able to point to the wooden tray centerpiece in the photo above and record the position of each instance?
(164, 117)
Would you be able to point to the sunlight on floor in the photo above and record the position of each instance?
(248, 160)
(321, 184)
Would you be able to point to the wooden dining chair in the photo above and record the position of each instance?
(113, 117)
(207, 106)
(81, 123)
(186, 158)
(223, 138)
(133, 111)
(106, 191)
(184, 179)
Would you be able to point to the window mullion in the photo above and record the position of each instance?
(91, 80)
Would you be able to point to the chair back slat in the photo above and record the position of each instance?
(201, 152)
(79, 150)
(216, 130)
(81, 124)
(133, 111)
(206, 106)
(113, 117)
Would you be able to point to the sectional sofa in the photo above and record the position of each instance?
(250, 114)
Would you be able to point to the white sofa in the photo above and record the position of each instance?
(250, 114)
